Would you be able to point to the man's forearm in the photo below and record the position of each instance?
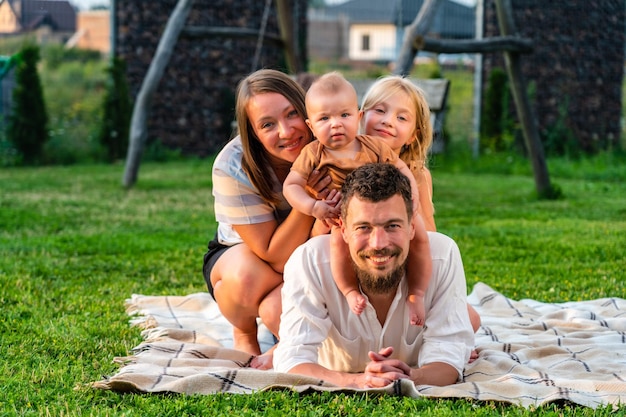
(342, 379)
(436, 373)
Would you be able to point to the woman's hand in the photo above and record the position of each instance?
(317, 184)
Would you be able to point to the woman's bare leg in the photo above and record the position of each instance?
(241, 282)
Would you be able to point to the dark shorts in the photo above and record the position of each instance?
(216, 250)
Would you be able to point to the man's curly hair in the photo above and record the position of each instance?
(376, 182)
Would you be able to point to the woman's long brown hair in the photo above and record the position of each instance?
(256, 161)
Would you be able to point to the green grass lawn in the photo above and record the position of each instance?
(74, 245)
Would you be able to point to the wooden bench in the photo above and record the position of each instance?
(436, 91)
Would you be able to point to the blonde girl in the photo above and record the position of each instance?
(396, 110)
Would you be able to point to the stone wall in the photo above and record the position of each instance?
(193, 107)
(576, 69)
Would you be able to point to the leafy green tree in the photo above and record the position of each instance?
(496, 120)
(27, 127)
(118, 109)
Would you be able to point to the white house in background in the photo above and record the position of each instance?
(373, 30)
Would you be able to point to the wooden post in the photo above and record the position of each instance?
(417, 29)
(138, 129)
(522, 104)
(285, 22)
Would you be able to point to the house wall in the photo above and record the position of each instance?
(94, 30)
(576, 69)
(8, 20)
(382, 42)
(328, 39)
(193, 106)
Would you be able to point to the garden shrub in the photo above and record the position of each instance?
(496, 123)
(27, 127)
(115, 127)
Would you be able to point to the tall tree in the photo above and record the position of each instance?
(27, 126)
(117, 110)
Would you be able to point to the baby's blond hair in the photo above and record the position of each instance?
(330, 83)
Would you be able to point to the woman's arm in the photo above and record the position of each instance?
(274, 243)
(342, 379)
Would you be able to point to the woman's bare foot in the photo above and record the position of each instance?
(246, 342)
(356, 301)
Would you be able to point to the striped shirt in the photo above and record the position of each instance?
(237, 201)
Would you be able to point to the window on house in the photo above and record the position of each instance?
(365, 43)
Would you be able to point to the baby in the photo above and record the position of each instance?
(333, 117)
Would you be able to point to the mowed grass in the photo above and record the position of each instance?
(74, 245)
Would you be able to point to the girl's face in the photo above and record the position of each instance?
(393, 119)
(278, 126)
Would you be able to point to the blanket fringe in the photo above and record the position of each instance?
(132, 304)
(154, 334)
(125, 360)
(144, 322)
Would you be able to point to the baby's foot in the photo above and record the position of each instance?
(417, 312)
(356, 301)
(265, 360)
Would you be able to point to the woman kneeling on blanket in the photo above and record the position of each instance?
(257, 229)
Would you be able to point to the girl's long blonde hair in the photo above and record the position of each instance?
(414, 154)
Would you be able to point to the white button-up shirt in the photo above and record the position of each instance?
(317, 325)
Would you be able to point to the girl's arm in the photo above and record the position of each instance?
(401, 165)
(426, 210)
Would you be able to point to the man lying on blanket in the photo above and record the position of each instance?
(320, 336)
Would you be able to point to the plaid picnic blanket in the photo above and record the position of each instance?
(530, 353)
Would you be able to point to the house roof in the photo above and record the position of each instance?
(58, 14)
(452, 20)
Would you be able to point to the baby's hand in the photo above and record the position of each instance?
(325, 212)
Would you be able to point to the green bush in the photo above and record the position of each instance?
(74, 93)
(27, 127)
(497, 123)
(57, 55)
(117, 106)
(558, 138)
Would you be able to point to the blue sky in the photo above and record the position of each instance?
(86, 4)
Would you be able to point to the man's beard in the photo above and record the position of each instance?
(380, 284)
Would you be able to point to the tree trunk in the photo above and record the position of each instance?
(418, 28)
(524, 109)
(285, 22)
(138, 128)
